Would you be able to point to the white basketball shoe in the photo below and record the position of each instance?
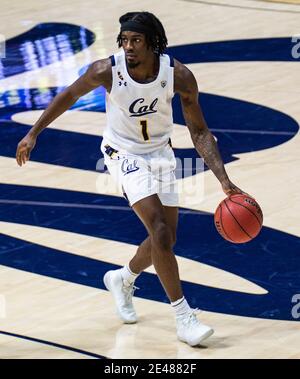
(191, 330)
(122, 295)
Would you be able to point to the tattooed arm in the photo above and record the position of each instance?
(186, 86)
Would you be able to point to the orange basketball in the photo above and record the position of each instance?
(238, 218)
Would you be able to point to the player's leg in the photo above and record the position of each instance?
(121, 282)
(143, 259)
(151, 213)
(162, 239)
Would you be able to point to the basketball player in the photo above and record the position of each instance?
(140, 82)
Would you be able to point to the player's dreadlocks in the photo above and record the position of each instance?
(148, 24)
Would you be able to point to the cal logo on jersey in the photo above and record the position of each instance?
(137, 109)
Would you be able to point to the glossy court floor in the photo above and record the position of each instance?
(63, 225)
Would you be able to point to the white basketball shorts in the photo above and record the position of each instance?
(143, 175)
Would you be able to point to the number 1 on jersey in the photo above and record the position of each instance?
(144, 125)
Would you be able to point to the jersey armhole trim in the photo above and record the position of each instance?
(113, 61)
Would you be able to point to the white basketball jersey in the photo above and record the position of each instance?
(139, 116)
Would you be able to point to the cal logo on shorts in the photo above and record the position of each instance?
(128, 167)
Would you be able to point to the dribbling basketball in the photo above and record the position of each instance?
(238, 218)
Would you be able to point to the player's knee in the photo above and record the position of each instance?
(162, 236)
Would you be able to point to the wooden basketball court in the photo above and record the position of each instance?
(63, 225)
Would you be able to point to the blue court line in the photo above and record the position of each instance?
(87, 206)
(53, 344)
(247, 131)
(243, 50)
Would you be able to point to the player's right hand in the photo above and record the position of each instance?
(25, 146)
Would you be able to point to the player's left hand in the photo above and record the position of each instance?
(231, 189)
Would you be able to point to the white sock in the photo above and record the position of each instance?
(181, 307)
(128, 276)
